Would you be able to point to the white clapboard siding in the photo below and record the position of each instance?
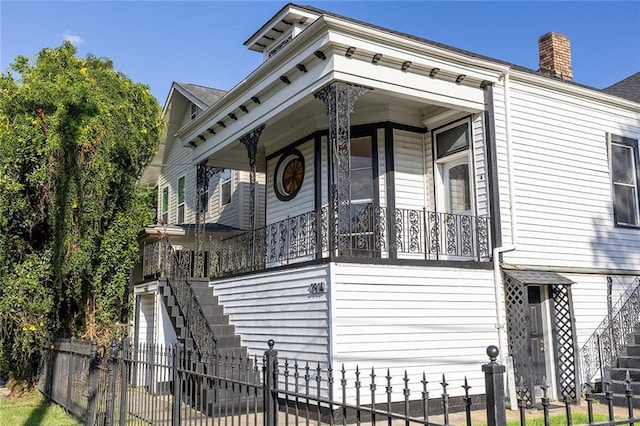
(305, 200)
(562, 180)
(479, 166)
(418, 319)
(278, 305)
(409, 170)
(502, 162)
(145, 318)
(590, 301)
(177, 163)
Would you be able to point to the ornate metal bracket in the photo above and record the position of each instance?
(250, 141)
(203, 174)
(339, 99)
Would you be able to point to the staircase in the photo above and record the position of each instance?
(628, 368)
(227, 341)
(613, 351)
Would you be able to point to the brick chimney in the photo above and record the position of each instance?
(555, 56)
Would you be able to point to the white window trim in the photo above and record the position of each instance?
(633, 144)
(194, 111)
(453, 159)
(224, 181)
(162, 211)
(184, 201)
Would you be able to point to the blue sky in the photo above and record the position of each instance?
(157, 42)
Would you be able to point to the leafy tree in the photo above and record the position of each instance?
(74, 137)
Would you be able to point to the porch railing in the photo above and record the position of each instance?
(152, 259)
(602, 349)
(359, 231)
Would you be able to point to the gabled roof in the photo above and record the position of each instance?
(207, 95)
(180, 95)
(629, 88)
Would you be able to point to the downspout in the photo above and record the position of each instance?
(497, 251)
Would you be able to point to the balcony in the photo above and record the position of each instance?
(356, 231)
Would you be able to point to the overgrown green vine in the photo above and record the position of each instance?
(75, 136)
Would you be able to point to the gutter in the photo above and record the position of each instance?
(498, 251)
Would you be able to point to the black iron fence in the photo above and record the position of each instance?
(361, 230)
(147, 384)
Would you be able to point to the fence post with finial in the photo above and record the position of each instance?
(494, 389)
(269, 369)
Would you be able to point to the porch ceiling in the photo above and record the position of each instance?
(306, 117)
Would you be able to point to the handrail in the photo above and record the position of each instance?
(602, 349)
(177, 268)
(355, 230)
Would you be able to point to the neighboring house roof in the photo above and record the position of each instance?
(629, 88)
(207, 95)
(180, 96)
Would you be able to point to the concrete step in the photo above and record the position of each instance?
(222, 329)
(620, 386)
(212, 310)
(228, 341)
(632, 350)
(629, 362)
(202, 292)
(619, 400)
(621, 374)
(217, 319)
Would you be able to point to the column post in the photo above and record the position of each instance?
(250, 141)
(203, 174)
(339, 99)
(494, 389)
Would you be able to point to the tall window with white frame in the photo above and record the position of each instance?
(164, 204)
(181, 197)
(453, 164)
(625, 179)
(194, 111)
(225, 187)
(361, 220)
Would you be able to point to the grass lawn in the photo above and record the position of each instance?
(559, 420)
(33, 409)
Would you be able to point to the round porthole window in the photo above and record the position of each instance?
(289, 175)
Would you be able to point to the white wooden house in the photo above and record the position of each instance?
(411, 203)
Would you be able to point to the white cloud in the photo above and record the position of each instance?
(73, 38)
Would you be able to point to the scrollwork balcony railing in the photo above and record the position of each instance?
(152, 260)
(355, 230)
(602, 349)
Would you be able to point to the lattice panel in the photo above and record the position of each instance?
(516, 306)
(564, 340)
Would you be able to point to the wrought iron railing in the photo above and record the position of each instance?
(178, 264)
(152, 259)
(602, 349)
(364, 231)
